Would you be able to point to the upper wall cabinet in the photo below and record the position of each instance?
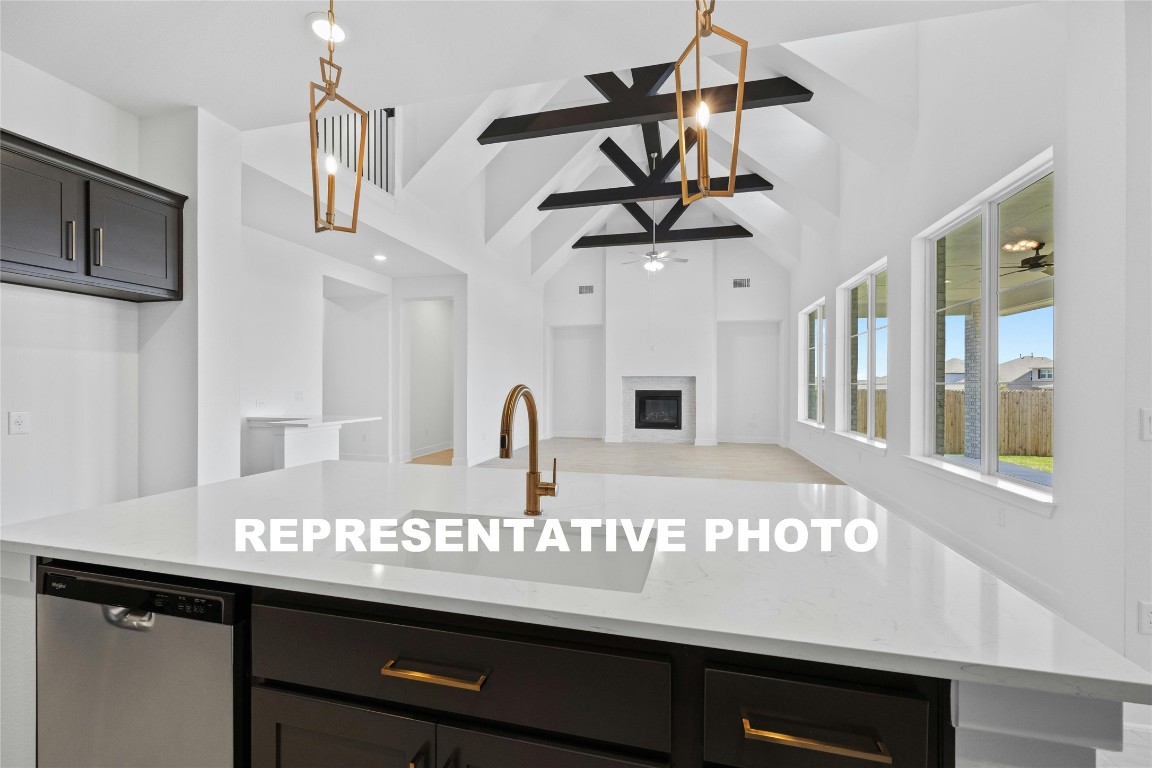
(73, 225)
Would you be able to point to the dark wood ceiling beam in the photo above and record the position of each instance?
(647, 80)
(728, 232)
(748, 182)
(624, 163)
(673, 215)
(641, 216)
(608, 85)
(637, 110)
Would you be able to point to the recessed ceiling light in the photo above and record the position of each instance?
(380, 257)
(319, 23)
(1021, 245)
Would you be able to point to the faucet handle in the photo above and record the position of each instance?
(549, 489)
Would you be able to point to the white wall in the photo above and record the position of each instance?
(51, 111)
(430, 376)
(356, 382)
(971, 73)
(71, 362)
(748, 382)
(58, 350)
(576, 393)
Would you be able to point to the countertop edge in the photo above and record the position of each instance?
(1092, 688)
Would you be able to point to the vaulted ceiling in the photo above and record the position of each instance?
(457, 65)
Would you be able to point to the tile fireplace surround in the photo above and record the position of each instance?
(687, 431)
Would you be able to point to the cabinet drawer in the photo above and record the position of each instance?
(465, 748)
(752, 721)
(616, 699)
(293, 731)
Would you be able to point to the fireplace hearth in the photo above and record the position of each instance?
(658, 408)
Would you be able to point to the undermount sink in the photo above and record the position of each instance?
(621, 571)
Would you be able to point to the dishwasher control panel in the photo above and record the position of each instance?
(137, 596)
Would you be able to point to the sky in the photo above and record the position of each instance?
(1024, 333)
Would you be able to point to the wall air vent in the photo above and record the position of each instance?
(585, 289)
(742, 282)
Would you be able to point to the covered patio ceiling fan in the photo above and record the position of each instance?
(1037, 262)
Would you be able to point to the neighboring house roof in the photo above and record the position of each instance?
(953, 365)
(1022, 366)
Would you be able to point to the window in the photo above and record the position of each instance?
(867, 339)
(813, 344)
(1001, 254)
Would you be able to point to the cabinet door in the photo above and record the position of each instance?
(41, 214)
(294, 731)
(460, 748)
(135, 239)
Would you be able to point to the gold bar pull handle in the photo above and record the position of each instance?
(391, 670)
(99, 246)
(881, 754)
(71, 255)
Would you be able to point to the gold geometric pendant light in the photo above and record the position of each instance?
(325, 98)
(697, 105)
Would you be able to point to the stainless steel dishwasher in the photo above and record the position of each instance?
(132, 673)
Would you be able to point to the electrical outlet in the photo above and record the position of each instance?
(299, 396)
(1146, 423)
(261, 403)
(1145, 623)
(19, 422)
(1001, 517)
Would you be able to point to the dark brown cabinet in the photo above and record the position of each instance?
(373, 685)
(135, 239)
(295, 731)
(72, 225)
(43, 216)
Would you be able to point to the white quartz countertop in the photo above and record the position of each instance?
(910, 605)
(327, 420)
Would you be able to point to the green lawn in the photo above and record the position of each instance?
(1042, 463)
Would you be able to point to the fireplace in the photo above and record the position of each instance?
(658, 408)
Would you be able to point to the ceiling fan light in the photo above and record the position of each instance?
(653, 265)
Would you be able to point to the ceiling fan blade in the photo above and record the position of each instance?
(634, 261)
(1016, 272)
(681, 261)
(1049, 270)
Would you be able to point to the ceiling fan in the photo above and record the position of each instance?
(654, 260)
(1037, 262)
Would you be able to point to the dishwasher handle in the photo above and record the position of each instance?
(126, 618)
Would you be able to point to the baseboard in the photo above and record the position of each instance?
(459, 462)
(765, 440)
(365, 457)
(1005, 570)
(705, 443)
(424, 450)
(589, 435)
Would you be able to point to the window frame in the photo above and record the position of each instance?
(987, 207)
(846, 382)
(821, 356)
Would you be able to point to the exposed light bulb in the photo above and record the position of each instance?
(702, 114)
(653, 265)
(1021, 245)
(324, 30)
(330, 165)
(380, 257)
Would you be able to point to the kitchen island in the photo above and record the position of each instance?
(910, 606)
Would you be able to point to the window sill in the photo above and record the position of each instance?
(1018, 495)
(811, 424)
(876, 446)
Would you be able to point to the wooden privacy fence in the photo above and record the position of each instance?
(1025, 424)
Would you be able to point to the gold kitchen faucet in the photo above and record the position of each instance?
(535, 488)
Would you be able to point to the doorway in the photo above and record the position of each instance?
(430, 380)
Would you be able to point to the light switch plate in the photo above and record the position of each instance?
(19, 422)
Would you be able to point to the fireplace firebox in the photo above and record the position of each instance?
(658, 408)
